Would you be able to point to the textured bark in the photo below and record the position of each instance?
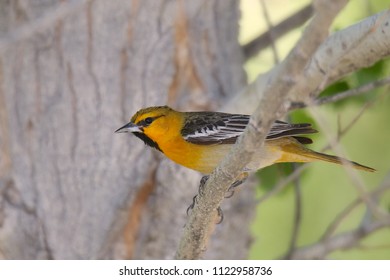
(70, 188)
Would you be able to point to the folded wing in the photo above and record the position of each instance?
(207, 128)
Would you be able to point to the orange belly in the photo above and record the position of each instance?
(205, 158)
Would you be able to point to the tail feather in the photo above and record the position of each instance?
(293, 151)
(339, 160)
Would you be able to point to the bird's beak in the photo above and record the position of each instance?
(130, 127)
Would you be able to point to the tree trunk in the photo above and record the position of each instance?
(70, 74)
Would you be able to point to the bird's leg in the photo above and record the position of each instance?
(241, 179)
(200, 192)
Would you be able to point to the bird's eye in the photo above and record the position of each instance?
(148, 120)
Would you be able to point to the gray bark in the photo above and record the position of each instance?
(69, 76)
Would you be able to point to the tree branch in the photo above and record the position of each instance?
(341, 241)
(272, 106)
(271, 31)
(343, 95)
(297, 213)
(353, 175)
(265, 40)
(347, 50)
(349, 239)
(385, 186)
(328, 244)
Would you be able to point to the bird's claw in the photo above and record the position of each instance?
(230, 194)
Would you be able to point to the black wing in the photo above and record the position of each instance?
(206, 128)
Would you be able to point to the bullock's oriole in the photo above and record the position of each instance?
(200, 140)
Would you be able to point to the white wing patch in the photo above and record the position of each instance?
(229, 127)
(226, 128)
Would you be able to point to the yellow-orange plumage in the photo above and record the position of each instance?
(200, 140)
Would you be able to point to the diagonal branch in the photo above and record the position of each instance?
(353, 175)
(385, 186)
(297, 213)
(265, 40)
(345, 51)
(343, 95)
(274, 104)
(341, 241)
(271, 31)
(350, 239)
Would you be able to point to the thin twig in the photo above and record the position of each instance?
(264, 40)
(283, 183)
(349, 239)
(339, 218)
(341, 241)
(352, 173)
(343, 95)
(297, 213)
(271, 31)
(355, 119)
(352, 92)
(347, 210)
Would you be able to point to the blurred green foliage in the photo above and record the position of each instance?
(364, 76)
(326, 189)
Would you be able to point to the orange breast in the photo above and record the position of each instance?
(202, 158)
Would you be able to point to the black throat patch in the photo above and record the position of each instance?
(147, 140)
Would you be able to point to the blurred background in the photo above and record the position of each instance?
(72, 72)
(325, 189)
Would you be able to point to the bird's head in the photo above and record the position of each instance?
(150, 124)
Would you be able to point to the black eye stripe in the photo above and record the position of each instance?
(143, 123)
(147, 121)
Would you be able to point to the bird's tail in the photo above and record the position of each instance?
(339, 160)
(296, 152)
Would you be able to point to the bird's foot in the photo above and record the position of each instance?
(242, 178)
(200, 192)
(230, 193)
